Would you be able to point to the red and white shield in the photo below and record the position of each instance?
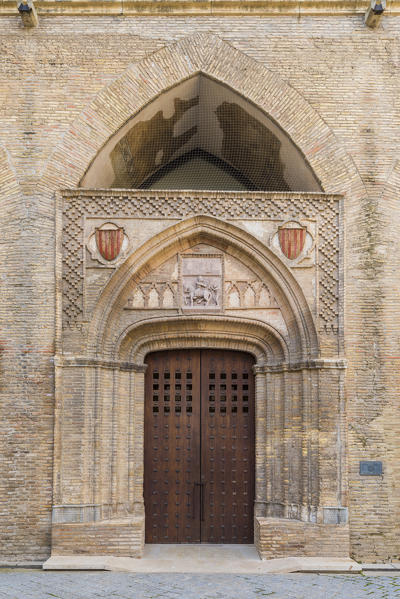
(291, 240)
(109, 242)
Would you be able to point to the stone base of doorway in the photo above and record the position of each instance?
(204, 559)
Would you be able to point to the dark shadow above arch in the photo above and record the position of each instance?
(205, 116)
(198, 169)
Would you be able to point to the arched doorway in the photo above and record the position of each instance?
(199, 446)
(284, 309)
(258, 307)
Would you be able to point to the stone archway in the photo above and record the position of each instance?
(223, 237)
(207, 124)
(209, 333)
(99, 494)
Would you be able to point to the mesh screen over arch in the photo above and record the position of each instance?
(201, 135)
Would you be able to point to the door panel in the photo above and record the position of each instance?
(199, 447)
(172, 447)
(227, 454)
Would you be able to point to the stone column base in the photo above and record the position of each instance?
(122, 537)
(279, 537)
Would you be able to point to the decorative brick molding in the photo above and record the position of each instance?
(78, 205)
(100, 374)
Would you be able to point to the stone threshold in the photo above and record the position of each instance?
(202, 559)
(388, 567)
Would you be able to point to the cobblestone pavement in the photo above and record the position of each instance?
(36, 584)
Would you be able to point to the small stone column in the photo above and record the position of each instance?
(138, 440)
(260, 505)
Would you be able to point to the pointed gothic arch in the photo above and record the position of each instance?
(142, 82)
(201, 131)
(302, 337)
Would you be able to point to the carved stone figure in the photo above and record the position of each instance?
(202, 293)
(201, 281)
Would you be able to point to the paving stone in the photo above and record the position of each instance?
(30, 584)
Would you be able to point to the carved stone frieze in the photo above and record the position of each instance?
(150, 295)
(278, 207)
(248, 294)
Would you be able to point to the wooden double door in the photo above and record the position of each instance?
(199, 447)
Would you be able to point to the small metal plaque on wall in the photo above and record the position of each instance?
(371, 468)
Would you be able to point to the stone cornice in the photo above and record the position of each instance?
(318, 364)
(90, 361)
(67, 194)
(199, 7)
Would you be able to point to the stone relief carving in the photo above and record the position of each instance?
(201, 281)
(112, 204)
(201, 293)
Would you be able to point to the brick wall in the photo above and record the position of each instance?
(119, 538)
(348, 74)
(282, 538)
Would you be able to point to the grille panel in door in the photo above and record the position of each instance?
(199, 447)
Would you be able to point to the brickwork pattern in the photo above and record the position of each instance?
(280, 538)
(55, 117)
(119, 538)
(222, 205)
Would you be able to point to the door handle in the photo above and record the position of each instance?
(193, 501)
(202, 502)
(201, 485)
